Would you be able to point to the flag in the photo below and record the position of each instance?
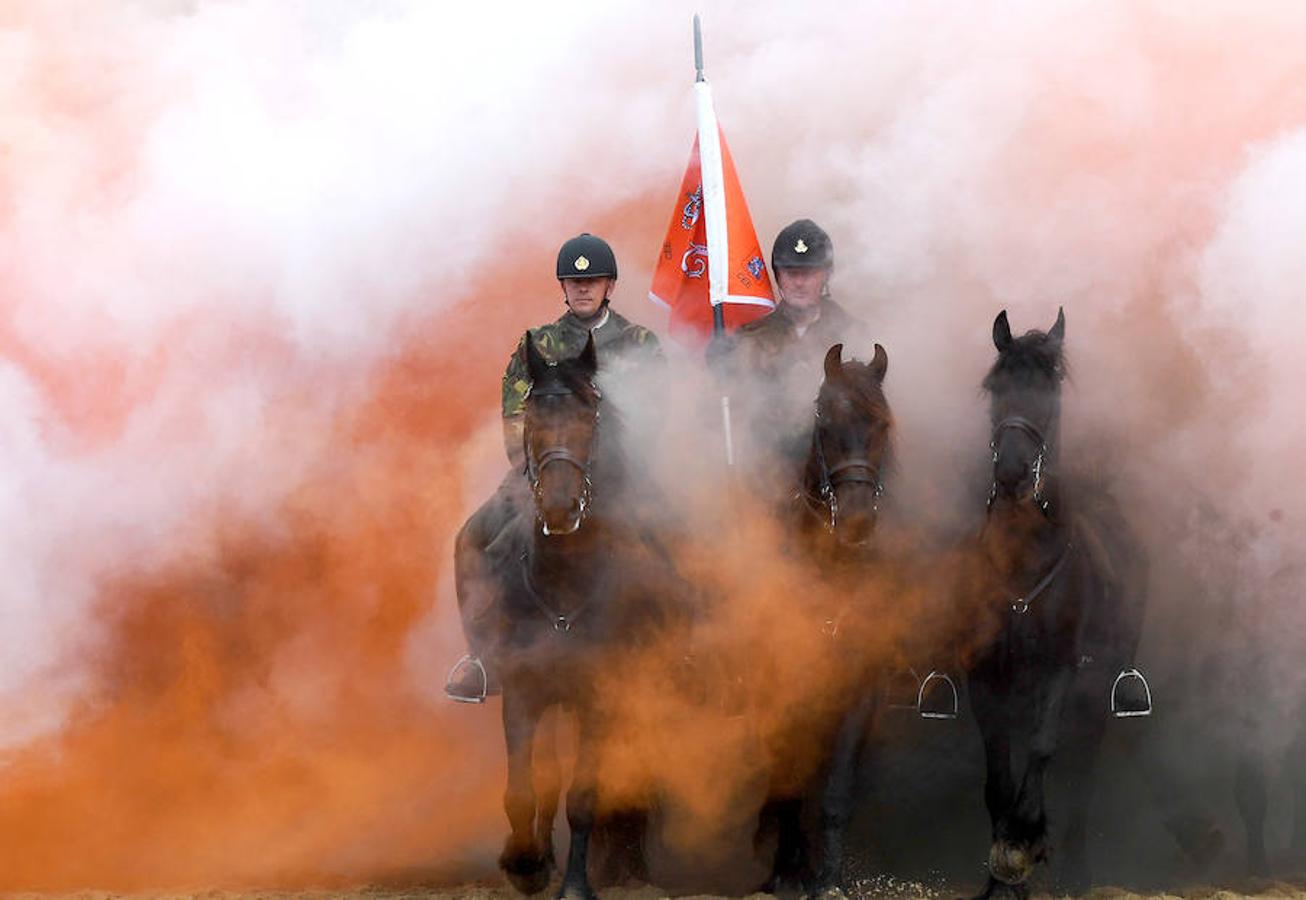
(710, 257)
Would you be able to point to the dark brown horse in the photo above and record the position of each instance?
(838, 506)
(1052, 604)
(576, 590)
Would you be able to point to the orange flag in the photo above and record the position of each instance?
(684, 279)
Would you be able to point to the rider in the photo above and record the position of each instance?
(587, 274)
(781, 353)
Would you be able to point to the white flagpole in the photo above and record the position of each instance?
(714, 213)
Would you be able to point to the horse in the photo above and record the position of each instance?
(575, 588)
(835, 511)
(1055, 594)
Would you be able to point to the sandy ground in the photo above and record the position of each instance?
(880, 887)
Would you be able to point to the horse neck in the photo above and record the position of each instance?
(1020, 540)
(566, 562)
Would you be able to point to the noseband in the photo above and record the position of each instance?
(858, 470)
(1020, 423)
(535, 465)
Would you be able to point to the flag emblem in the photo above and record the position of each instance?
(581, 264)
(800, 247)
(693, 208)
(756, 267)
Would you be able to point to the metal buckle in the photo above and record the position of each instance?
(920, 696)
(561, 625)
(1020, 606)
(1124, 675)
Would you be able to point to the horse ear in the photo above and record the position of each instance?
(589, 357)
(1058, 332)
(1001, 332)
(834, 362)
(879, 363)
(535, 363)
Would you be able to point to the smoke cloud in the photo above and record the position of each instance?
(261, 266)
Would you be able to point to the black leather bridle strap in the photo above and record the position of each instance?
(1022, 424)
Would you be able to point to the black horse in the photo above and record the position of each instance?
(576, 589)
(837, 507)
(1054, 597)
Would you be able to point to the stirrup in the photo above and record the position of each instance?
(952, 686)
(1125, 676)
(911, 684)
(474, 662)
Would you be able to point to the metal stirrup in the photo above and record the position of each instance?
(485, 680)
(952, 686)
(1119, 713)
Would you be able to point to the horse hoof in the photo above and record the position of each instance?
(527, 872)
(577, 892)
(1010, 863)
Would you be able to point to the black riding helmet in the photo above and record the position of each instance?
(802, 245)
(586, 256)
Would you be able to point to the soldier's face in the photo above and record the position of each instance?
(585, 296)
(801, 288)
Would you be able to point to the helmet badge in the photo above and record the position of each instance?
(801, 246)
(581, 264)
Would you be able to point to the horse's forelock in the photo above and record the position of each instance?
(1031, 358)
(859, 384)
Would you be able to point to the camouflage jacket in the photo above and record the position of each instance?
(772, 347)
(779, 372)
(619, 343)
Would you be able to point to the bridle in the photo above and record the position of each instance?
(1021, 604)
(1021, 423)
(858, 470)
(535, 465)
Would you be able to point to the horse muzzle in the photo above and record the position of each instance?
(568, 522)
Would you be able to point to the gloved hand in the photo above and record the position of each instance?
(720, 350)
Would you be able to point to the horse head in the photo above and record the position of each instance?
(562, 416)
(1024, 388)
(850, 445)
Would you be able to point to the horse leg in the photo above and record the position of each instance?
(1292, 765)
(523, 860)
(1024, 842)
(1249, 790)
(548, 778)
(783, 817)
(1086, 721)
(992, 715)
(582, 801)
(837, 798)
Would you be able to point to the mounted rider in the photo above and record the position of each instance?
(587, 274)
(779, 358)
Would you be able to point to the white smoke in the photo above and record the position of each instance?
(220, 219)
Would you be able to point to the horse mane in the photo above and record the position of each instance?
(1032, 358)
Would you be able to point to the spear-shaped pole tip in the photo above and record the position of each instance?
(698, 50)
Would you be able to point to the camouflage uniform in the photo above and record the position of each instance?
(780, 371)
(621, 345)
